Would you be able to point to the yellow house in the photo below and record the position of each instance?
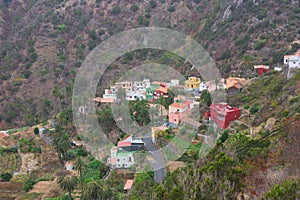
(192, 83)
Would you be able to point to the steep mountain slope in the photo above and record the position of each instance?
(44, 42)
(244, 164)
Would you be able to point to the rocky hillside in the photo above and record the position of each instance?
(44, 42)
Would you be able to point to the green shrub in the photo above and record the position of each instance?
(134, 8)
(246, 107)
(116, 10)
(259, 44)
(171, 8)
(28, 185)
(6, 177)
(224, 136)
(36, 130)
(254, 109)
(152, 3)
(287, 190)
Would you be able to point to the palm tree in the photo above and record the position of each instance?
(160, 101)
(80, 165)
(96, 190)
(68, 184)
(64, 145)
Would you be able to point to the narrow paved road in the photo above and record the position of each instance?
(158, 164)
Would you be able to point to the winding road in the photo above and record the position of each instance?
(158, 164)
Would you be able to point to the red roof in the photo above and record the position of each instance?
(162, 89)
(128, 185)
(178, 105)
(124, 144)
(68, 164)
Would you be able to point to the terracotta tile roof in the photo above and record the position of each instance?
(162, 89)
(104, 100)
(67, 164)
(97, 99)
(178, 105)
(128, 185)
(236, 82)
(124, 144)
(107, 100)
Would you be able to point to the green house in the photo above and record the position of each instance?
(150, 91)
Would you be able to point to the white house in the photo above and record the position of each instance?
(177, 107)
(124, 159)
(69, 166)
(109, 94)
(120, 159)
(202, 87)
(292, 62)
(141, 85)
(133, 96)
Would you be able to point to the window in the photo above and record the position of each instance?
(175, 120)
(129, 159)
(221, 116)
(118, 160)
(177, 110)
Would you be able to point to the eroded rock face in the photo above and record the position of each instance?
(30, 162)
(270, 124)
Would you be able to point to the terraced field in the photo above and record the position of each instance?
(9, 162)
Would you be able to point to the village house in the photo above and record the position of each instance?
(222, 114)
(177, 107)
(176, 110)
(131, 144)
(150, 92)
(69, 166)
(161, 91)
(99, 100)
(125, 85)
(292, 64)
(121, 159)
(109, 94)
(234, 85)
(141, 85)
(261, 69)
(192, 84)
(121, 156)
(202, 87)
(133, 96)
